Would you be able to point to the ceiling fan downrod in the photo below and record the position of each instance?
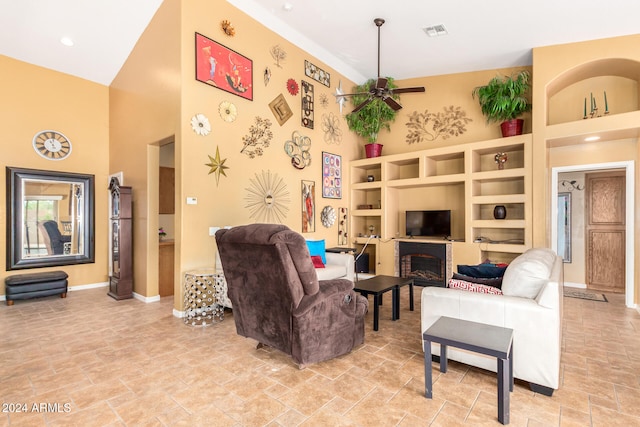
(378, 22)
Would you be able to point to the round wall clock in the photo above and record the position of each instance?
(51, 145)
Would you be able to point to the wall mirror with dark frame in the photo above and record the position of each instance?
(50, 218)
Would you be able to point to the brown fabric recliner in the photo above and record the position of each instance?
(278, 300)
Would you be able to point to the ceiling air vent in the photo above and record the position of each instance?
(436, 30)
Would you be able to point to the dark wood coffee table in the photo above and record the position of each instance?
(477, 337)
(377, 286)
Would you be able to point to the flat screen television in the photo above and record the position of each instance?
(428, 223)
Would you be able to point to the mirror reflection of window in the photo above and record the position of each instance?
(50, 218)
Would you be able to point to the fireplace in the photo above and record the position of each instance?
(426, 263)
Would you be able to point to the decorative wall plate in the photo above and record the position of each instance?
(328, 216)
(52, 145)
(200, 124)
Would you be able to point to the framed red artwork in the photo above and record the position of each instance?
(221, 67)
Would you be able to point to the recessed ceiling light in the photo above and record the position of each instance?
(592, 138)
(288, 7)
(66, 41)
(436, 30)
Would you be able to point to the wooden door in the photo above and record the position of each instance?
(605, 231)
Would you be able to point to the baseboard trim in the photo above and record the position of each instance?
(178, 313)
(575, 285)
(144, 299)
(88, 286)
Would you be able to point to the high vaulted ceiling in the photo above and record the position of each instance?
(481, 35)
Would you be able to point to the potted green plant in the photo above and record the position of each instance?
(370, 120)
(503, 100)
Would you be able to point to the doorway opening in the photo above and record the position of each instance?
(628, 168)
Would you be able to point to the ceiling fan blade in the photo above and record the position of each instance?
(362, 105)
(392, 103)
(408, 89)
(381, 83)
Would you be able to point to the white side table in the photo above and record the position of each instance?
(201, 298)
(221, 290)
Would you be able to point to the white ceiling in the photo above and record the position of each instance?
(482, 35)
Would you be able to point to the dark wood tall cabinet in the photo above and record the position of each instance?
(121, 279)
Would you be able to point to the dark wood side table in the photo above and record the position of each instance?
(377, 286)
(477, 337)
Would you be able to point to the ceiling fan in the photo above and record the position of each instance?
(380, 89)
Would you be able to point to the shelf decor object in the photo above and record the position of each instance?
(500, 212)
(501, 158)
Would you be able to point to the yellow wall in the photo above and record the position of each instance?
(444, 91)
(562, 75)
(144, 106)
(36, 99)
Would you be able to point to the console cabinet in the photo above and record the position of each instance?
(464, 178)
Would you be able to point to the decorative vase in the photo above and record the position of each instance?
(500, 212)
(373, 150)
(511, 127)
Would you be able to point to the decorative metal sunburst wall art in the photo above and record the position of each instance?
(258, 139)
(431, 126)
(267, 198)
(331, 129)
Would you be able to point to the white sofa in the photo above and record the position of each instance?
(531, 306)
(338, 266)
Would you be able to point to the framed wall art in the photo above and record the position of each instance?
(317, 73)
(331, 176)
(308, 206)
(307, 105)
(221, 67)
(280, 109)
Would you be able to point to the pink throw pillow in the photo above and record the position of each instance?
(473, 287)
(317, 261)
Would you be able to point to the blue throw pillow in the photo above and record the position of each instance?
(486, 271)
(316, 248)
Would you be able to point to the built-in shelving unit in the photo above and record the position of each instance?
(466, 178)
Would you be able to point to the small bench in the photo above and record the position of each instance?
(35, 285)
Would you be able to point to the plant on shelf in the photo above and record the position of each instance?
(161, 233)
(375, 116)
(504, 99)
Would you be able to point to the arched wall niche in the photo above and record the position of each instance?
(566, 94)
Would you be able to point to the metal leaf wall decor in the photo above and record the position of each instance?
(431, 126)
(258, 139)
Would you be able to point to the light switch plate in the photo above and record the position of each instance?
(192, 200)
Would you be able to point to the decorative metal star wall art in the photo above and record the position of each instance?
(341, 100)
(217, 166)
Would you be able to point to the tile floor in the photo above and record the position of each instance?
(99, 362)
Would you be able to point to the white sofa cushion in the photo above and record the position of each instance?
(526, 274)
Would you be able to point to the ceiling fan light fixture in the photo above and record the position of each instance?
(436, 30)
